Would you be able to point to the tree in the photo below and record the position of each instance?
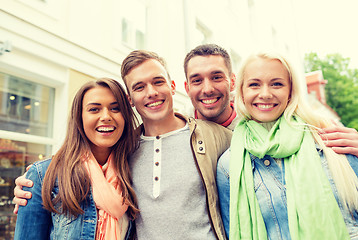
(342, 86)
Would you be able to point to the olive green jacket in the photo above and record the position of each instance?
(208, 141)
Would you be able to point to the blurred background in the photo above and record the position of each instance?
(49, 48)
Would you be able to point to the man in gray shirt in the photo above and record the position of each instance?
(174, 168)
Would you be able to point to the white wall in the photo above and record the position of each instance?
(49, 38)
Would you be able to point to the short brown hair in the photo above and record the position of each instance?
(136, 58)
(208, 50)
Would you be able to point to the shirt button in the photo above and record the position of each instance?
(156, 163)
(156, 178)
(201, 149)
(267, 162)
(200, 142)
(157, 150)
(157, 137)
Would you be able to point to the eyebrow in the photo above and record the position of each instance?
(98, 104)
(212, 73)
(258, 79)
(274, 79)
(194, 75)
(159, 77)
(217, 71)
(154, 78)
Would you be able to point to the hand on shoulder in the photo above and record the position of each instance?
(342, 140)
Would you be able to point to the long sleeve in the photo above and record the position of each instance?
(223, 184)
(33, 221)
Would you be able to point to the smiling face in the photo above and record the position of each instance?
(266, 89)
(208, 85)
(150, 92)
(103, 122)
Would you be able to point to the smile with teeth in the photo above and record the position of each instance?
(106, 129)
(265, 106)
(210, 101)
(154, 104)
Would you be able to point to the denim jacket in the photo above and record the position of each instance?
(34, 222)
(269, 182)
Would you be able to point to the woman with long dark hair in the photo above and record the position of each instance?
(84, 191)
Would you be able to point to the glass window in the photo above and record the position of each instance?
(134, 25)
(140, 38)
(202, 33)
(125, 31)
(14, 157)
(25, 107)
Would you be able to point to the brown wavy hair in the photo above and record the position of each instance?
(66, 168)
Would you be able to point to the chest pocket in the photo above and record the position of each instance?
(268, 187)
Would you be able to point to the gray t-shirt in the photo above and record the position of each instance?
(171, 195)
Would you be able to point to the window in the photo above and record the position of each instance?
(26, 112)
(25, 107)
(235, 61)
(203, 34)
(126, 31)
(134, 25)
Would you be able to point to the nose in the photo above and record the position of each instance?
(151, 91)
(208, 88)
(106, 115)
(265, 93)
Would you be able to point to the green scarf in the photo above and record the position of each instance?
(313, 212)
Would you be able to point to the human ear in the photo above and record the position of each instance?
(232, 82)
(130, 100)
(186, 85)
(173, 87)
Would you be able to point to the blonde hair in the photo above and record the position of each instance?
(343, 175)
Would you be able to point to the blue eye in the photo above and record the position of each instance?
(278, 84)
(253, 85)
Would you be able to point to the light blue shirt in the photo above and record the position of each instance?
(269, 180)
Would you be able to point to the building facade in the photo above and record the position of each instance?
(49, 48)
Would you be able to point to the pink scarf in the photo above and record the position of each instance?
(112, 218)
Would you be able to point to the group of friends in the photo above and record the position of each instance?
(263, 166)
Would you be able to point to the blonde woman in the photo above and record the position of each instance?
(284, 182)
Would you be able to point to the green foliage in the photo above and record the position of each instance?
(342, 86)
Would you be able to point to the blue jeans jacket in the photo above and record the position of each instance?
(269, 183)
(34, 222)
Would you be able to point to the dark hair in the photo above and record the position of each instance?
(137, 57)
(208, 50)
(66, 167)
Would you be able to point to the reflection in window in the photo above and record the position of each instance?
(14, 157)
(25, 107)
